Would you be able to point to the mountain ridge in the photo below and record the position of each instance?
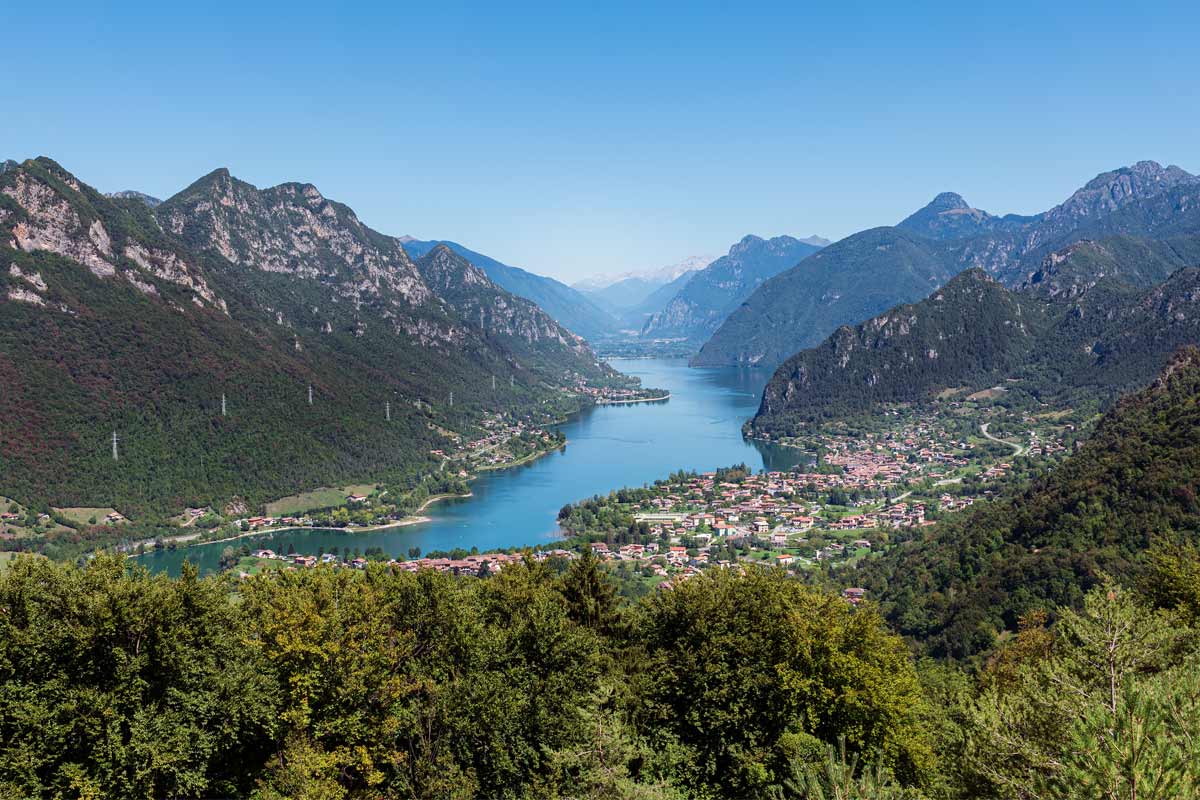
(1145, 201)
(712, 293)
(565, 304)
(119, 318)
(1073, 327)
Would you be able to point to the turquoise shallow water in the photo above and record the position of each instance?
(608, 447)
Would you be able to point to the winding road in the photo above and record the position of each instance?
(1018, 450)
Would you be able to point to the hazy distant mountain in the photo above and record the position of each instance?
(710, 294)
(657, 276)
(130, 194)
(619, 297)
(118, 317)
(568, 306)
(633, 297)
(864, 274)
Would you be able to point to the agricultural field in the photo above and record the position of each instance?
(317, 499)
(87, 516)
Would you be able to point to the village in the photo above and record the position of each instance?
(861, 494)
(477, 565)
(606, 395)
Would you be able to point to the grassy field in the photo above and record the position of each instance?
(318, 498)
(83, 516)
(253, 566)
(306, 501)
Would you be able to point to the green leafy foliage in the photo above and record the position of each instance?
(745, 668)
(960, 584)
(1112, 711)
(345, 683)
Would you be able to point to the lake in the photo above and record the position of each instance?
(607, 447)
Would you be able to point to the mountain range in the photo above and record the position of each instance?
(713, 292)
(124, 327)
(1098, 319)
(567, 305)
(868, 272)
(632, 299)
(657, 276)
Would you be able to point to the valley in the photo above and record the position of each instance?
(457, 402)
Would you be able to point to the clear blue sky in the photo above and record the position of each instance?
(573, 141)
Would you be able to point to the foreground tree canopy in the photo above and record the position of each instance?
(332, 683)
(536, 683)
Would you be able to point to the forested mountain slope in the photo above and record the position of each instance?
(849, 281)
(118, 318)
(1134, 482)
(864, 274)
(566, 305)
(711, 293)
(1076, 330)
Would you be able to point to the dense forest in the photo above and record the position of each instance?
(537, 682)
(1044, 645)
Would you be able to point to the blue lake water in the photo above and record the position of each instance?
(608, 447)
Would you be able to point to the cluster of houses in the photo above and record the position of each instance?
(259, 523)
(996, 471)
(489, 450)
(468, 566)
(755, 508)
(610, 394)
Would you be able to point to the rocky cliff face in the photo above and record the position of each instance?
(496, 312)
(293, 229)
(566, 305)
(141, 197)
(49, 211)
(356, 277)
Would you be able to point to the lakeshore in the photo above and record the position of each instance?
(610, 446)
(666, 396)
(190, 539)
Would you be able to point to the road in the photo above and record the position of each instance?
(1018, 450)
